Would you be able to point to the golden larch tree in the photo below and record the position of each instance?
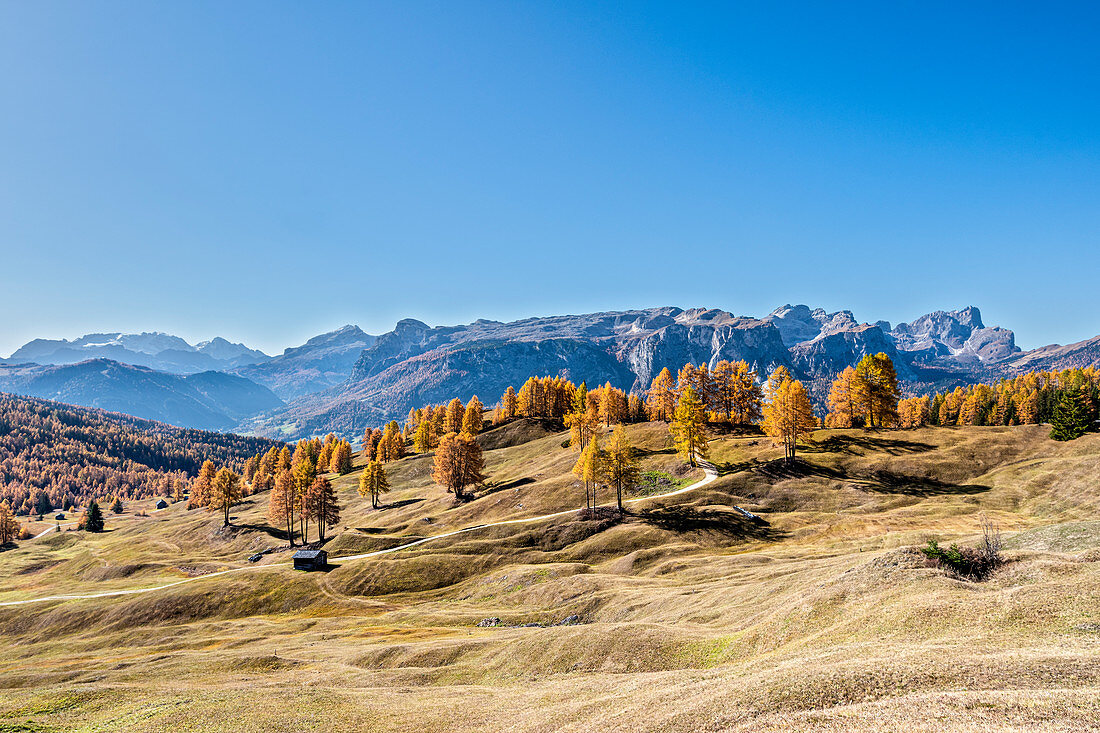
(789, 415)
(422, 442)
(621, 467)
(661, 400)
(225, 493)
(458, 463)
(282, 502)
(844, 411)
(589, 469)
(202, 486)
(452, 422)
(472, 422)
(689, 427)
(373, 482)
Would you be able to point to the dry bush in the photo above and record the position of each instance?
(969, 563)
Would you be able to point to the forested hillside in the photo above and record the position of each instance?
(69, 454)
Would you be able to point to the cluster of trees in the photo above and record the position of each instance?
(865, 395)
(300, 492)
(1068, 399)
(788, 412)
(615, 467)
(423, 430)
(56, 456)
(729, 392)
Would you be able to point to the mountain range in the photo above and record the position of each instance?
(347, 379)
(155, 350)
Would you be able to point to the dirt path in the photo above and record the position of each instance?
(710, 474)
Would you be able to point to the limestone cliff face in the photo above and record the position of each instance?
(627, 348)
(955, 339)
(415, 365)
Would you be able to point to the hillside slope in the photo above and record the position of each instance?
(684, 616)
(71, 454)
(206, 400)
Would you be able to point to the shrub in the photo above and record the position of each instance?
(969, 563)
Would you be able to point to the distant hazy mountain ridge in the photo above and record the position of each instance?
(154, 350)
(206, 400)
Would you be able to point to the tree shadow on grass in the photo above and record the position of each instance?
(849, 444)
(724, 429)
(399, 504)
(492, 487)
(881, 481)
(279, 534)
(642, 452)
(730, 524)
(725, 469)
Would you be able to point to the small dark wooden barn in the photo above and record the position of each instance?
(310, 560)
(59, 515)
(162, 504)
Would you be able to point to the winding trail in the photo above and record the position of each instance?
(709, 471)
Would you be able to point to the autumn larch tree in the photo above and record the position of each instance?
(282, 503)
(116, 506)
(471, 420)
(876, 388)
(589, 468)
(843, 410)
(748, 398)
(371, 438)
(458, 463)
(323, 504)
(452, 422)
(9, 527)
(621, 467)
(689, 427)
(662, 396)
(202, 485)
(613, 405)
(507, 405)
(324, 458)
(226, 493)
(422, 441)
(373, 482)
(789, 415)
(340, 463)
(583, 419)
(262, 480)
(304, 473)
(779, 375)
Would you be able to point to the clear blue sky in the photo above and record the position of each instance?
(266, 171)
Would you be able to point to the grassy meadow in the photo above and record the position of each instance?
(682, 616)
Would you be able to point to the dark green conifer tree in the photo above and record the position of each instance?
(1070, 419)
(93, 518)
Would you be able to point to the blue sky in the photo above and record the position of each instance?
(266, 171)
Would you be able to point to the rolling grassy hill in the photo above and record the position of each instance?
(685, 615)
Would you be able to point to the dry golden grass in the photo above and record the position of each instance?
(691, 618)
